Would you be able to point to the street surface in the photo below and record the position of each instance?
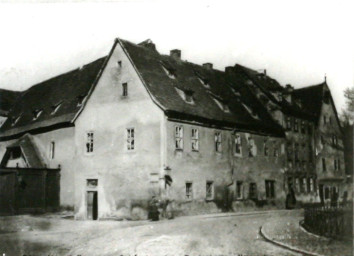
(197, 235)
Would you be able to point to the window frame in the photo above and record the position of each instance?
(237, 145)
(189, 191)
(270, 189)
(125, 92)
(89, 143)
(130, 141)
(195, 139)
(52, 150)
(178, 135)
(218, 142)
(211, 186)
(239, 190)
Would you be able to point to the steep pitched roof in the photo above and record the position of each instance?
(53, 101)
(29, 152)
(311, 98)
(7, 100)
(269, 86)
(207, 86)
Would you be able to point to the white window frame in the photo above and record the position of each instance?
(130, 135)
(89, 142)
(195, 139)
(179, 137)
(218, 142)
(209, 184)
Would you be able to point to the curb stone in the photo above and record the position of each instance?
(288, 247)
(301, 224)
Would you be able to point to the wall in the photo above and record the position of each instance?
(123, 176)
(328, 151)
(223, 168)
(64, 156)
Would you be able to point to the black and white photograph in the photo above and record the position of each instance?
(176, 128)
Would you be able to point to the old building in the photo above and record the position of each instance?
(137, 124)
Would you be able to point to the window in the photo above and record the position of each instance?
(89, 142)
(130, 139)
(14, 120)
(80, 100)
(209, 190)
(325, 119)
(195, 140)
(218, 147)
(297, 184)
(169, 72)
(326, 97)
(189, 190)
(311, 185)
(303, 185)
(37, 113)
(288, 123)
(338, 161)
(239, 190)
(324, 165)
(296, 153)
(125, 89)
(119, 63)
(326, 194)
(289, 151)
(204, 82)
(223, 106)
(296, 125)
(238, 145)
(310, 152)
(270, 189)
(252, 149)
(265, 147)
(334, 140)
(179, 137)
(55, 108)
(335, 164)
(52, 150)
(15, 153)
(253, 191)
(303, 127)
(186, 95)
(275, 150)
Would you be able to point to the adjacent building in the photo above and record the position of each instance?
(107, 137)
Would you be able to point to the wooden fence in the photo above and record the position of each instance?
(330, 221)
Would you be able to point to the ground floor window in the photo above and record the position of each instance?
(189, 190)
(209, 190)
(253, 191)
(270, 189)
(239, 190)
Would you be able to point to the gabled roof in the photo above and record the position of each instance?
(7, 100)
(54, 101)
(150, 66)
(29, 151)
(269, 86)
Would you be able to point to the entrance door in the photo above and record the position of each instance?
(92, 205)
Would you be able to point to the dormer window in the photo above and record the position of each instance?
(186, 95)
(37, 113)
(80, 100)
(14, 120)
(237, 94)
(222, 105)
(204, 82)
(170, 72)
(55, 108)
(250, 111)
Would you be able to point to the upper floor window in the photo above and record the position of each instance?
(334, 140)
(52, 150)
(195, 139)
(252, 149)
(238, 145)
(217, 137)
(275, 150)
(335, 164)
(189, 190)
(209, 190)
(130, 139)
(89, 142)
(324, 168)
(119, 63)
(288, 123)
(179, 137)
(303, 127)
(265, 148)
(125, 89)
(296, 125)
(252, 194)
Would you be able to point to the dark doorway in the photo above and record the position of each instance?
(92, 205)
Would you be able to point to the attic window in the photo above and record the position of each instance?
(14, 120)
(37, 113)
(15, 153)
(119, 63)
(55, 108)
(80, 100)
(169, 72)
(204, 82)
(222, 105)
(237, 94)
(186, 95)
(250, 111)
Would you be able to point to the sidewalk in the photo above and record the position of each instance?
(286, 232)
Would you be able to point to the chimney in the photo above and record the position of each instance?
(176, 54)
(229, 69)
(287, 93)
(208, 66)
